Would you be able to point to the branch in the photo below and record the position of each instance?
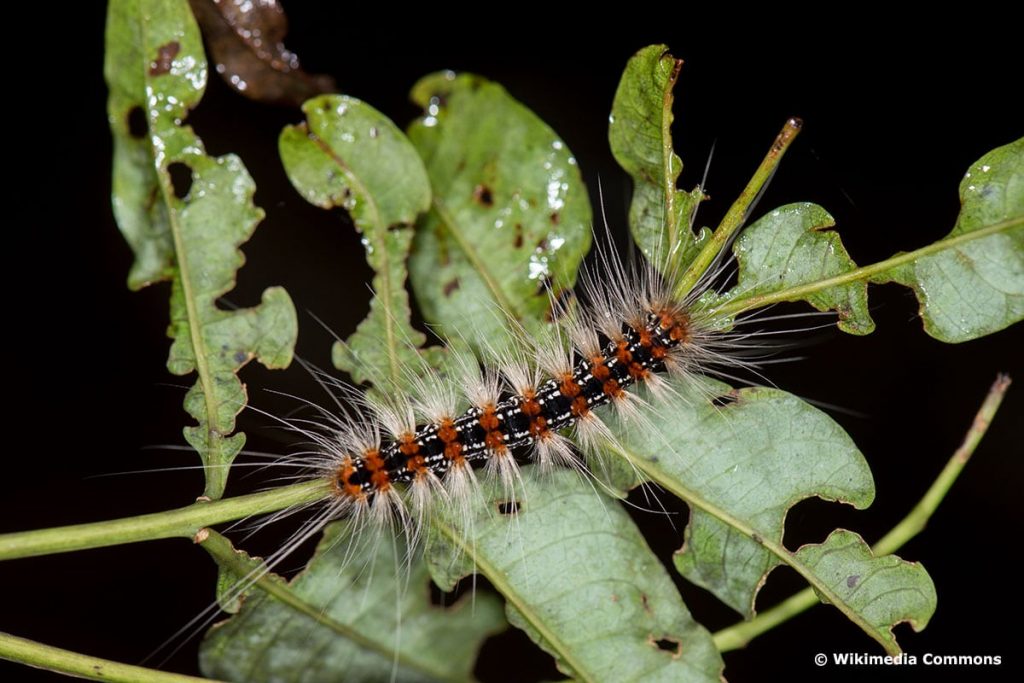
(741, 305)
(83, 666)
(183, 522)
(740, 210)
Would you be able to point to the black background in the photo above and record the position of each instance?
(893, 117)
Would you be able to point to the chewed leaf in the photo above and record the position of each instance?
(883, 591)
(660, 216)
(510, 214)
(740, 466)
(977, 287)
(350, 155)
(750, 459)
(357, 609)
(792, 246)
(246, 42)
(185, 214)
(580, 580)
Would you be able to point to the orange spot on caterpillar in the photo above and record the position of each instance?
(453, 451)
(622, 353)
(678, 325)
(538, 427)
(598, 369)
(637, 371)
(579, 406)
(495, 440)
(611, 388)
(345, 472)
(658, 352)
(378, 474)
(568, 387)
(380, 480)
(408, 445)
(417, 464)
(488, 420)
(680, 333)
(531, 407)
(447, 432)
(645, 338)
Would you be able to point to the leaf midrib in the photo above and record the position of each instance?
(474, 259)
(695, 500)
(191, 308)
(379, 238)
(502, 585)
(668, 182)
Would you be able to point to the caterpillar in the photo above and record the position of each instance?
(399, 455)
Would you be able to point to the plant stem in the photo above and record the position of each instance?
(739, 635)
(82, 666)
(183, 522)
(794, 293)
(740, 210)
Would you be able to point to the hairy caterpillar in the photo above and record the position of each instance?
(632, 333)
(81, 404)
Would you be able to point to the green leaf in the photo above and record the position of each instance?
(639, 131)
(741, 466)
(791, 246)
(882, 591)
(579, 579)
(976, 287)
(344, 617)
(510, 213)
(185, 214)
(350, 155)
(748, 461)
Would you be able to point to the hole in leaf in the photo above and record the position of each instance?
(482, 195)
(137, 126)
(441, 598)
(670, 645)
(508, 507)
(181, 178)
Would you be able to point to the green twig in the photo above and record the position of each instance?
(740, 210)
(183, 522)
(739, 635)
(802, 291)
(82, 666)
